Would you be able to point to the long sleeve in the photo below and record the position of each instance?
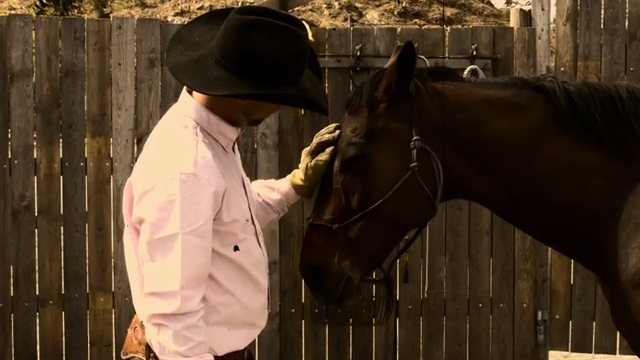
(273, 199)
(176, 221)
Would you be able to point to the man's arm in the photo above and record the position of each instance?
(273, 199)
(176, 223)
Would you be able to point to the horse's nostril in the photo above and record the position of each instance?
(313, 275)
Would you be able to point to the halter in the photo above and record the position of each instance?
(415, 145)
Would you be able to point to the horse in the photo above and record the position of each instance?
(557, 159)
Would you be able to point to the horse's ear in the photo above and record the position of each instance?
(400, 69)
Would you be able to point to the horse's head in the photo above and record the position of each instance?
(385, 181)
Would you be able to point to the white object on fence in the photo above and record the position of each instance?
(473, 69)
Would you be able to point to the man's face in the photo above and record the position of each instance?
(257, 111)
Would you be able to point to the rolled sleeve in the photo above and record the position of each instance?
(175, 250)
(273, 199)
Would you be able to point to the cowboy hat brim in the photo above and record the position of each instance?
(189, 60)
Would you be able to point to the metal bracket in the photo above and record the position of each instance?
(542, 317)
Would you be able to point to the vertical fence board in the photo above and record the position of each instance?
(21, 108)
(170, 89)
(385, 346)
(589, 40)
(633, 42)
(291, 224)
(480, 246)
(483, 36)
(633, 75)
(584, 282)
(76, 343)
(47, 121)
(457, 245)
(613, 69)
(6, 332)
(479, 282)
(123, 107)
(148, 73)
(502, 273)
(315, 329)
(338, 84)
(410, 265)
(560, 266)
(528, 280)
(98, 79)
(267, 167)
(503, 291)
(362, 314)
(433, 249)
(433, 306)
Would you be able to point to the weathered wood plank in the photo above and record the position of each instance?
(148, 74)
(433, 305)
(362, 313)
(171, 88)
(433, 302)
(541, 21)
(21, 110)
(480, 247)
(433, 308)
(560, 265)
(613, 69)
(315, 328)
(633, 75)
(385, 346)
(338, 84)
(584, 282)
(479, 282)
(6, 333)
(502, 233)
(530, 256)
(98, 101)
(410, 277)
(47, 99)
(76, 344)
(123, 118)
(457, 245)
(503, 290)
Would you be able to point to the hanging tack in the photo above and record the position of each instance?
(473, 71)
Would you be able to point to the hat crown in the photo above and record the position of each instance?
(263, 43)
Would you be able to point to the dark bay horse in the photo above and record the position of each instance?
(559, 160)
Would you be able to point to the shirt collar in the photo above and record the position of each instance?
(222, 131)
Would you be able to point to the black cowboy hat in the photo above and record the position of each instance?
(249, 52)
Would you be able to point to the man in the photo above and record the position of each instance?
(193, 243)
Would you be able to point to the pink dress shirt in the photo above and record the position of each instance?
(193, 243)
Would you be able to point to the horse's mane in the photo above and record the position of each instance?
(608, 112)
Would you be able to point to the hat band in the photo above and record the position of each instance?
(262, 76)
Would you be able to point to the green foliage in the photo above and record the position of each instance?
(55, 7)
(101, 8)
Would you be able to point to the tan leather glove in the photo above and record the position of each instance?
(314, 161)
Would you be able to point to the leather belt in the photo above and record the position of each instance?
(243, 354)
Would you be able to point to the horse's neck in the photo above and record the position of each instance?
(513, 157)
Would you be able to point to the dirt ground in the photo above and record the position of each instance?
(325, 13)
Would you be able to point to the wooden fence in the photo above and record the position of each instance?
(100, 86)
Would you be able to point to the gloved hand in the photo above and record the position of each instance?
(314, 161)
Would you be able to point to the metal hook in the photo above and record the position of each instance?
(473, 54)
